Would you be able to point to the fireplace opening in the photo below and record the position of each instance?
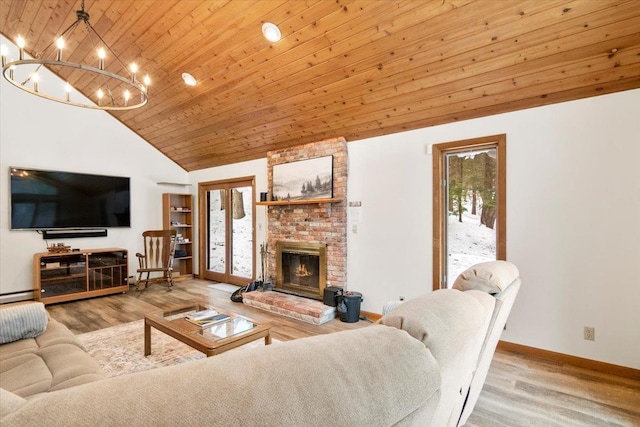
(301, 269)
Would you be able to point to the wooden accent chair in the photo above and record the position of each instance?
(159, 246)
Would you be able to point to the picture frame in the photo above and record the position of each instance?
(303, 179)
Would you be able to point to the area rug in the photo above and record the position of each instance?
(120, 349)
(225, 287)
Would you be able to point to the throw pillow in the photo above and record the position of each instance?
(20, 321)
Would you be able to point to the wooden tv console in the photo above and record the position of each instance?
(68, 276)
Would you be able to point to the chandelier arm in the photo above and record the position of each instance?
(92, 30)
(69, 30)
(28, 79)
(105, 78)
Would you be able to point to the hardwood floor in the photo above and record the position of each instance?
(519, 390)
(98, 313)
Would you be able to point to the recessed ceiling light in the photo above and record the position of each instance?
(271, 32)
(189, 79)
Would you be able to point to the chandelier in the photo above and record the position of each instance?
(114, 87)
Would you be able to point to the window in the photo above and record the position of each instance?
(469, 205)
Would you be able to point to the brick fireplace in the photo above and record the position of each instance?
(321, 227)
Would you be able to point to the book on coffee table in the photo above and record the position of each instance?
(202, 314)
(206, 317)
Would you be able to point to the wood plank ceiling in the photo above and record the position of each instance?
(351, 68)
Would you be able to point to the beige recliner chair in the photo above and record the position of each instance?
(464, 381)
(502, 280)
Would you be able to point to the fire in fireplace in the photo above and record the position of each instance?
(301, 268)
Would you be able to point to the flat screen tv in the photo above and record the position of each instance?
(50, 200)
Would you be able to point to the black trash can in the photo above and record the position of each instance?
(349, 307)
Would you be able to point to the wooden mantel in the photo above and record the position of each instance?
(300, 202)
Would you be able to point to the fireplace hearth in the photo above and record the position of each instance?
(301, 268)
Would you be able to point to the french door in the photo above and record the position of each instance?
(227, 234)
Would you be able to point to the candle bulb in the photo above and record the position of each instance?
(67, 89)
(134, 70)
(101, 55)
(20, 43)
(147, 82)
(3, 53)
(59, 45)
(35, 78)
(100, 95)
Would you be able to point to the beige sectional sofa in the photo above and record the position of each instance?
(53, 360)
(417, 366)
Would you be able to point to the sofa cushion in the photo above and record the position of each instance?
(25, 375)
(16, 348)
(19, 321)
(50, 368)
(51, 361)
(56, 333)
(492, 277)
(9, 402)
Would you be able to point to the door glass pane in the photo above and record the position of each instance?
(242, 232)
(470, 210)
(217, 231)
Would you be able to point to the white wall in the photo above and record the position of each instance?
(573, 197)
(573, 230)
(37, 133)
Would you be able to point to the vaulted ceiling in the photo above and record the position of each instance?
(351, 68)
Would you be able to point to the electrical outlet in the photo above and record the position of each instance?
(589, 333)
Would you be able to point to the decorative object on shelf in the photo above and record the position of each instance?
(113, 86)
(58, 248)
(303, 180)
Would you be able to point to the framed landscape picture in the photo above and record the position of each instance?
(304, 179)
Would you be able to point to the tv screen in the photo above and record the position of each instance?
(46, 200)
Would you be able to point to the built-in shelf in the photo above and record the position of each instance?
(299, 202)
(177, 214)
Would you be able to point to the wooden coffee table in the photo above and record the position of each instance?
(210, 340)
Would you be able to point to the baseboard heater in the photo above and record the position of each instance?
(17, 296)
(72, 234)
